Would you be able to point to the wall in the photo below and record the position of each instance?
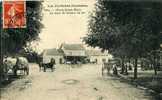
(99, 59)
(74, 53)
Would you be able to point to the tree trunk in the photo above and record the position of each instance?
(126, 70)
(155, 70)
(1, 68)
(135, 69)
(154, 66)
(122, 69)
(142, 67)
(1, 61)
(130, 67)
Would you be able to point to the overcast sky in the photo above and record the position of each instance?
(64, 28)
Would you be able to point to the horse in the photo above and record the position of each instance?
(41, 66)
(22, 65)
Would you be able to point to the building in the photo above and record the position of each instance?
(73, 52)
(96, 56)
(48, 54)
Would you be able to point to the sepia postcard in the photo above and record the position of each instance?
(81, 50)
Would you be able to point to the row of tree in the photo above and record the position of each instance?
(129, 30)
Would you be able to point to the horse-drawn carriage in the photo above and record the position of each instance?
(50, 65)
(12, 65)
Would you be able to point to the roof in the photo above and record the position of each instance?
(73, 47)
(53, 52)
(96, 53)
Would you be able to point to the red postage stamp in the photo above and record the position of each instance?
(14, 14)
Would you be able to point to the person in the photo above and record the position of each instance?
(115, 71)
(52, 64)
(5, 69)
(17, 65)
(103, 67)
(53, 61)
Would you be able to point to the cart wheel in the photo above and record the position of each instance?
(52, 69)
(15, 72)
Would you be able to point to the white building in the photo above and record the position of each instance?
(96, 56)
(73, 52)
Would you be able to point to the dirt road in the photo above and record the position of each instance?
(67, 83)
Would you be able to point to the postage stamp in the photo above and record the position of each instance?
(14, 14)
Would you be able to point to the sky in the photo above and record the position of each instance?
(64, 28)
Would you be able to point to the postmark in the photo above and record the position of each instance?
(14, 14)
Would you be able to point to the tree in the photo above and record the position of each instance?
(13, 40)
(126, 29)
(17, 38)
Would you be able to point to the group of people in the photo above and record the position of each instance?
(108, 66)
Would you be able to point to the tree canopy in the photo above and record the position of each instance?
(126, 28)
(13, 39)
